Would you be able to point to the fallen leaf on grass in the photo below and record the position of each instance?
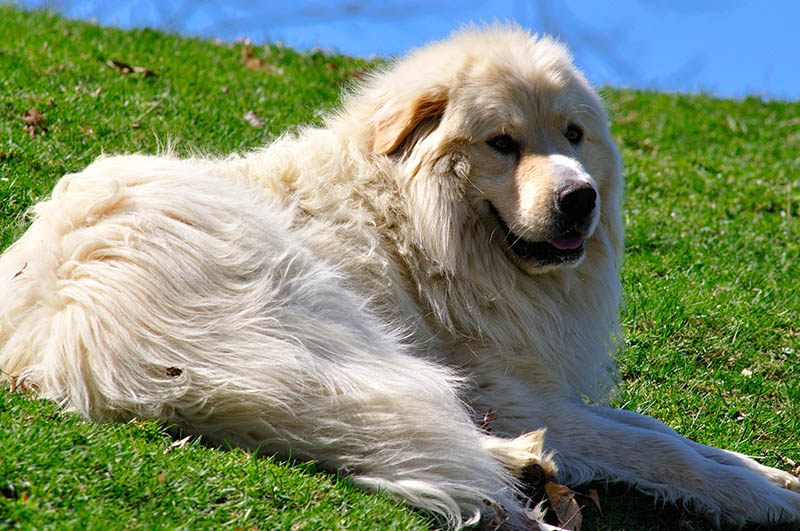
(177, 444)
(146, 72)
(562, 500)
(125, 68)
(254, 119)
(254, 63)
(33, 116)
(34, 121)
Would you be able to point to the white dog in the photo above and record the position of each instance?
(355, 294)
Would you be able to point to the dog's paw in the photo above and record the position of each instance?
(773, 506)
(779, 478)
(788, 481)
(519, 454)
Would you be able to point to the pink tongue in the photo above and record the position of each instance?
(567, 242)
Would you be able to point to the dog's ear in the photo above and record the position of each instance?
(398, 117)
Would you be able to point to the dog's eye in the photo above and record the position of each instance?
(504, 144)
(574, 134)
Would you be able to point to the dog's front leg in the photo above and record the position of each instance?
(593, 442)
(777, 477)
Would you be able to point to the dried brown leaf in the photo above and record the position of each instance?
(562, 500)
(146, 72)
(34, 121)
(254, 120)
(249, 60)
(253, 63)
(33, 117)
(125, 68)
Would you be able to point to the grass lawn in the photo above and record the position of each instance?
(712, 275)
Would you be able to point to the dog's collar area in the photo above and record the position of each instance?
(566, 248)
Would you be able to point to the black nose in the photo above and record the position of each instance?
(576, 201)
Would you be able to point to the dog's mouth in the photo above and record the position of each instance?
(566, 248)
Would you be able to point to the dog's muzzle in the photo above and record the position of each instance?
(574, 215)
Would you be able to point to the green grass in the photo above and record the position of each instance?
(712, 276)
(58, 471)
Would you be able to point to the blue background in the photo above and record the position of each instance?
(728, 48)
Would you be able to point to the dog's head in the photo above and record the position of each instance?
(497, 133)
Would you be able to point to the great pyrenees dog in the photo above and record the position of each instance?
(360, 293)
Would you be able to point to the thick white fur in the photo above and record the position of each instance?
(345, 295)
